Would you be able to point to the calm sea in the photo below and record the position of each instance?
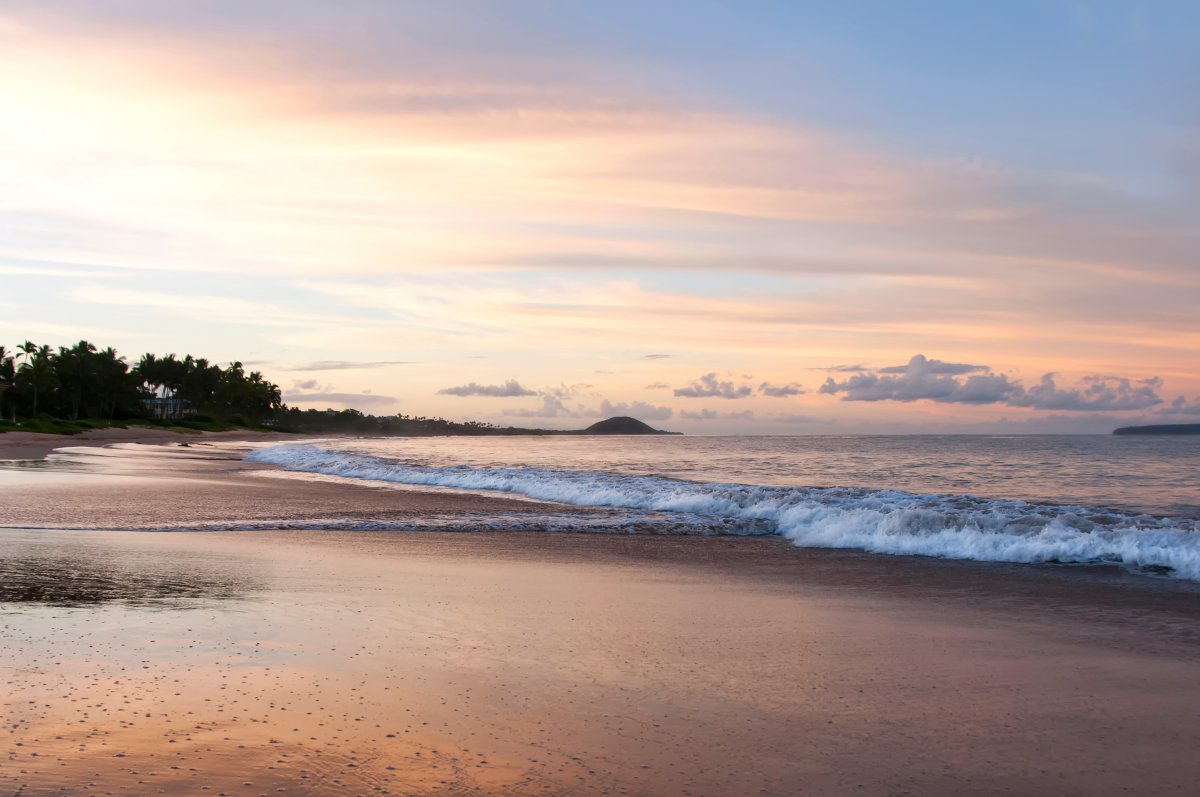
(1090, 499)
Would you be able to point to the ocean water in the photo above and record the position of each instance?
(1129, 501)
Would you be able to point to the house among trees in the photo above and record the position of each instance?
(168, 406)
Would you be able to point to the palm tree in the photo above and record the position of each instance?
(37, 371)
(174, 373)
(113, 383)
(76, 368)
(149, 371)
(28, 349)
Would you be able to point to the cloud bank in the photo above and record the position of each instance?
(709, 386)
(933, 380)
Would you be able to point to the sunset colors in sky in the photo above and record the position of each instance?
(750, 217)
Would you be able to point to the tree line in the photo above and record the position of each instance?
(354, 422)
(83, 381)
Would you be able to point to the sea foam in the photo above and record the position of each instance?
(879, 521)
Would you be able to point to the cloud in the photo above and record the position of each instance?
(1108, 393)
(553, 406)
(923, 378)
(713, 415)
(708, 386)
(656, 356)
(565, 391)
(781, 391)
(307, 384)
(345, 365)
(934, 380)
(657, 386)
(553, 403)
(510, 388)
(1181, 406)
(637, 409)
(428, 158)
(355, 400)
(844, 369)
(933, 367)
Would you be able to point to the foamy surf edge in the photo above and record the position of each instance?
(877, 521)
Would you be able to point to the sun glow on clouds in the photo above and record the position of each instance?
(550, 221)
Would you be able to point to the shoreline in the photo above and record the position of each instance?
(36, 445)
(518, 663)
(206, 473)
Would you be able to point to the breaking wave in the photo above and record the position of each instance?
(878, 521)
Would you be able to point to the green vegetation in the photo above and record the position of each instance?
(292, 419)
(79, 388)
(72, 389)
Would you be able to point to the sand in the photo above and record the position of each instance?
(321, 662)
(33, 446)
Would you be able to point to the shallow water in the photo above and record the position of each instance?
(1135, 474)
(1113, 500)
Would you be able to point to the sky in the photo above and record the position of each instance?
(719, 217)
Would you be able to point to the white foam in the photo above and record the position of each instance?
(880, 521)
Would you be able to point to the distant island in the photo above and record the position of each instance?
(622, 424)
(1161, 428)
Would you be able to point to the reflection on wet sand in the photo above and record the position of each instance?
(438, 664)
(82, 569)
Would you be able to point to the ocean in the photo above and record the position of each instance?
(1127, 501)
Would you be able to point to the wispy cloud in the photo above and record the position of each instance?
(347, 181)
(348, 400)
(507, 389)
(714, 415)
(345, 365)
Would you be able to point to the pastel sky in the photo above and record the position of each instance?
(721, 217)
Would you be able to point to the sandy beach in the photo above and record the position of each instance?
(30, 445)
(326, 662)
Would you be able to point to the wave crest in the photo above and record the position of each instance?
(878, 521)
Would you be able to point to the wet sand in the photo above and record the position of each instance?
(318, 662)
(34, 446)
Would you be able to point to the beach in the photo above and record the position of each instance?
(34, 446)
(305, 661)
